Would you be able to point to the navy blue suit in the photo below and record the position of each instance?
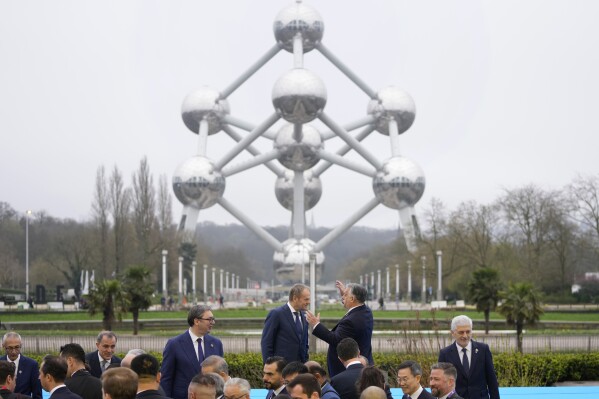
(94, 363)
(28, 377)
(358, 324)
(64, 393)
(345, 382)
(280, 336)
(180, 363)
(423, 395)
(328, 392)
(481, 381)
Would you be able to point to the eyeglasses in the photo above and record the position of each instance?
(234, 397)
(13, 348)
(403, 379)
(209, 319)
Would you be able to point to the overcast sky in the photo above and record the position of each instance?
(505, 92)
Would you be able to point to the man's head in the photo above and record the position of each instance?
(147, 369)
(363, 360)
(273, 372)
(304, 386)
(201, 387)
(408, 376)
(11, 342)
(119, 383)
(126, 361)
(317, 371)
(347, 349)
(7, 374)
(292, 370)
(53, 372)
(354, 295)
(373, 393)
(461, 330)
(237, 388)
(74, 356)
(442, 379)
(299, 297)
(200, 319)
(216, 364)
(219, 383)
(106, 344)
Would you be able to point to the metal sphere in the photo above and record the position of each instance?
(392, 103)
(299, 96)
(400, 183)
(204, 103)
(299, 152)
(284, 190)
(197, 183)
(298, 18)
(288, 263)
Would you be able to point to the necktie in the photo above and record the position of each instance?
(104, 363)
(200, 351)
(465, 362)
(298, 323)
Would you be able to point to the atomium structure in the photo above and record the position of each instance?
(298, 157)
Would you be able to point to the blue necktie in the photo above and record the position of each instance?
(200, 351)
(298, 324)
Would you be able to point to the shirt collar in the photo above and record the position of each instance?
(194, 337)
(468, 347)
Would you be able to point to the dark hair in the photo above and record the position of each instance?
(281, 362)
(308, 383)
(196, 312)
(414, 367)
(120, 383)
(202, 379)
(317, 368)
(448, 369)
(347, 349)
(145, 365)
(358, 291)
(105, 333)
(294, 367)
(371, 377)
(297, 290)
(283, 396)
(6, 368)
(73, 350)
(219, 383)
(55, 366)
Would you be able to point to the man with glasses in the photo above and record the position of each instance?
(409, 374)
(183, 355)
(27, 369)
(237, 388)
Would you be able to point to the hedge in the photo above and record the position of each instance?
(513, 369)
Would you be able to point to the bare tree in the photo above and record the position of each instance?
(101, 210)
(144, 208)
(584, 197)
(165, 205)
(120, 201)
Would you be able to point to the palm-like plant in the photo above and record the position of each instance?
(138, 290)
(483, 290)
(521, 304)
(108, 297)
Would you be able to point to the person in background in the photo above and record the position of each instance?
(53, 372)
(79, 380)
(100, 359)
(27, 369)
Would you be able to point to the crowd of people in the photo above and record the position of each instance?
(193, 364)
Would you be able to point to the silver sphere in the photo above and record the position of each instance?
(299, 152)
(298, 18)
(284, 190)
(400, 183)
(392, 103)
(299, 96)
(204, 103)
(288, 263)
(197, 183)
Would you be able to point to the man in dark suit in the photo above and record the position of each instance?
(147, 369)
(79, 380)
(285, 330)
(183, 354)
(356, 324)
(304, 386)
(273, 376)
(52, 375)
(473, 361)
(409, 374)
(345, 382)
(100, 359)
(442, 381)
(8, 381)
(27, 369)
(119, 383)
(326, 390)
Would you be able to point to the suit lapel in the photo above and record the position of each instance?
(474, 356)
(189, 350)
(289, 317)
(455, 359)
